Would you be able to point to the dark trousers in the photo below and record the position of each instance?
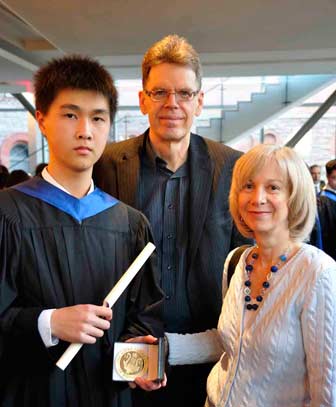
(186, 387)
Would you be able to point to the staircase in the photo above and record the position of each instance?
(275, 100)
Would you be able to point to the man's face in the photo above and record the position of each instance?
(76, 126)
(332, 179)
(171, 120)
(316, 174)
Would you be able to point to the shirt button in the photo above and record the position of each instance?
(169, 267)
(170, 236)
(170, 206)
(167, 297)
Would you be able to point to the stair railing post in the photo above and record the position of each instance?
(312, 120)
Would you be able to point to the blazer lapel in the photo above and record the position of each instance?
(201, 177)
(128, 172)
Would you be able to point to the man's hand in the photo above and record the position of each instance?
(148, 385)
(80, 323)
(145, 384)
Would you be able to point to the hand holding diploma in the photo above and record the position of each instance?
(82, 323)
(96, 313)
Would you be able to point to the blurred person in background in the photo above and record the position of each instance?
(39, 168)
(3, 176)
(16, 177)
(315, 171)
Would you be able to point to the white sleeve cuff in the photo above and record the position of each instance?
(44, 328)
(196, 348)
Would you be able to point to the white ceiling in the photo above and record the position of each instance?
(234, 37)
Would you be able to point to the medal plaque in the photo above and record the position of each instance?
(133, 360)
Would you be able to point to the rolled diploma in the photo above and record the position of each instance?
(111, 298)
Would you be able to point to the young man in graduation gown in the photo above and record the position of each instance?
(63, 245)
(326, 205)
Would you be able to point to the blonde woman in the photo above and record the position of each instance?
(275, 342)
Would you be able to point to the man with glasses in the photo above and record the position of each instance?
(181, 182)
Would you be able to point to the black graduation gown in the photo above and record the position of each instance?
(327, 215)
(49, 259)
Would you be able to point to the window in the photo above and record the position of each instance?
(18, 158)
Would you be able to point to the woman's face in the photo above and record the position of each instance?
(263, 202)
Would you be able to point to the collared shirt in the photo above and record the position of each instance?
(47, 177)
(164, 199)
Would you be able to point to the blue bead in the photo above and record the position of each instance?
(274, 269)
(255, 307)
(249, 306)
(254, 255)
(248, 283)
(259, 298)
(249, 267)
(266, 284)
(247, 298)
(283, 257)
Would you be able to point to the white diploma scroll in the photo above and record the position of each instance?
(111, 298)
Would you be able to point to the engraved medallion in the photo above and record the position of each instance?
(131, 363)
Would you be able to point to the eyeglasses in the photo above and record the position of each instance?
(161, 95)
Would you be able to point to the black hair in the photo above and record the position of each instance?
(73, 72)
(330, 166)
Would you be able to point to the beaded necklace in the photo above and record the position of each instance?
(265, 285)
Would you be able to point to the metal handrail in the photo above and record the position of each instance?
(312, 120)
(26, 158)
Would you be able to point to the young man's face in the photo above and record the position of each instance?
(171, 119)
(76, 126)
(332, 179)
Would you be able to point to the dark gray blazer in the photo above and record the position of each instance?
(212, 233)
